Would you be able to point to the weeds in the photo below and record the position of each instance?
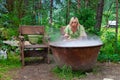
(67, 73)
(8, 64)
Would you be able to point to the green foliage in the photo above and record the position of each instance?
(3, 13)
(2, 6)
(107, 52)
(67, 73)
(109, 42)
(109, 12)
(12, 61)
(8, 64)
(86, 18)
(103, 57)
(3, 20)
(8, 33)
(29, 14)
(27, 20)
(9, 20)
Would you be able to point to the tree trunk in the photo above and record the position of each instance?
(68, 10)
(51, 6)
(39, 13)
(10, 5)
(107, 16)
(99, 15)
(38, 7)
(40, 4)
(26, 2)
(86, 3)
(116, 34)
(78, 4)
(34, 13)
(20, 9)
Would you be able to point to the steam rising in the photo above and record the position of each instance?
(59, 40)
(79, 42)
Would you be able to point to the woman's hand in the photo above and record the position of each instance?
(83, 37)
(66, 36)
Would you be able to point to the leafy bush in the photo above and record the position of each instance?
(107, 52)
(109, 42)
(109, 57)
(26, 20)
(86, 18)
(8, 33)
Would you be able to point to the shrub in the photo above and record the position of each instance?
(86, 18)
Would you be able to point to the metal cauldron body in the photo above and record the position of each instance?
(79, 58)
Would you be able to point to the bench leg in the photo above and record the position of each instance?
(22, 57)
(48, 59)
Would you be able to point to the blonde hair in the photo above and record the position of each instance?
(74, 18)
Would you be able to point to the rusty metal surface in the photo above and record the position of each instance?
(75, 44)
(78, 58)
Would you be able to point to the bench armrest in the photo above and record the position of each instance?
(21, 38)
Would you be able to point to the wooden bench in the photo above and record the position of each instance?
(33, 50)
(62, 30)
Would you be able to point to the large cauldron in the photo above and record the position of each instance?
(80, 55)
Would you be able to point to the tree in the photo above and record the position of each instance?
(51, 6)
(78, 3)
(10, 5)
(116, 34)
(108, 10)
(86, 3)
(67, 11)
(99, 15)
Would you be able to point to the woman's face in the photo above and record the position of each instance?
(74, 23)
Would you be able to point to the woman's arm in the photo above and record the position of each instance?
(66, 30)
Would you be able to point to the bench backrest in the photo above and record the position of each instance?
(31, 30)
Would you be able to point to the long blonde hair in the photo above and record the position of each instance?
(74, 18)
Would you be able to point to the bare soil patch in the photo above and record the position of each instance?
(42, 71)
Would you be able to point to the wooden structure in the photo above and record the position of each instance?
(62, 30)
(33, 50)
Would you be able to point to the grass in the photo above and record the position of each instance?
(8, 64)
(66, 73)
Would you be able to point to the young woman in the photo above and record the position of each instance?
(74, 29)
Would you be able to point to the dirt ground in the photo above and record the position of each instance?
(42, 71)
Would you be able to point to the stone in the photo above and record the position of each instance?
(108, 79)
